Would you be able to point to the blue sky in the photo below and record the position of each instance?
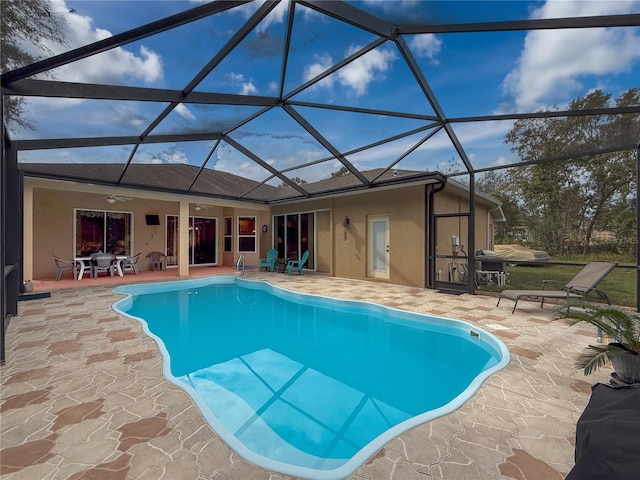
(470, 74)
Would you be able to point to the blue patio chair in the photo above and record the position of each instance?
(297, 264)
(270, 261)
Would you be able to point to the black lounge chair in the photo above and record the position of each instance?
(582, 286)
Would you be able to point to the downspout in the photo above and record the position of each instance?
(471, 231)
(429, 237)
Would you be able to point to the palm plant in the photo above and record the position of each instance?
(621, 326)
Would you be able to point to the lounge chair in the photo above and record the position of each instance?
(297, 264)
(62, 265)
(582, 286)
(270, 261)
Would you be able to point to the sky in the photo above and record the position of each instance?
(470, 75)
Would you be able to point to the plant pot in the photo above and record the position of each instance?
(627, 367)
(281, 267)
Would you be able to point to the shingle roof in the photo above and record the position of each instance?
(181, 178)
(177, 178)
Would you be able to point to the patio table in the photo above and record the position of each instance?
(83, 262)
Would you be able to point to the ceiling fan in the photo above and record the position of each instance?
(199, 206)
(117, 198)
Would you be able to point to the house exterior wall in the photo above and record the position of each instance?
(49, 225)
(324, 235)
(53, 225)
(406, 211)
(336, 253)
(347, 257)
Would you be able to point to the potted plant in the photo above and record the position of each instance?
(620, 330)
(281, 264)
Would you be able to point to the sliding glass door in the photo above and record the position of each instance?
(202, 240)
(293, 235)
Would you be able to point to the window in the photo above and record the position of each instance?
(246, 234)
(103, 231)
(228, 234)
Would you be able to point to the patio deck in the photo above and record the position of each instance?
(83, 396)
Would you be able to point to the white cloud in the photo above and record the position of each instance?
(276, 16)
(323, 62)
(368, 68)
(113, 66)
(553, 62)
(170, 154)
(174, 156)
(228, 159)
(426, 45)
(244, 87)
(235, 78)
(357, 75)
(184, 112)
(248, 89)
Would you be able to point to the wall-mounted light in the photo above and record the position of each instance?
(345, 222)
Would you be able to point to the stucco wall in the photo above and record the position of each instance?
(53, 226)
(405, 209)
(335, 253)
(347, 257)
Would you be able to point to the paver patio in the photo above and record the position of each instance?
(83, 396)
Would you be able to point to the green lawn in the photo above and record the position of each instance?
(619, 285)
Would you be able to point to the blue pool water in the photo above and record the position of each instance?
(305, 385)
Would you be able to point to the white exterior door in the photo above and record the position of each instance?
(378, 264)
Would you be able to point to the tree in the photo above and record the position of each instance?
(567, 199)
(340, 173)
(296, 180)
(25, 29)
(498, 185)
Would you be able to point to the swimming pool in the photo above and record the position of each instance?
(302, 384)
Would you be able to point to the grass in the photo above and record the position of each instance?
(619, 285)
